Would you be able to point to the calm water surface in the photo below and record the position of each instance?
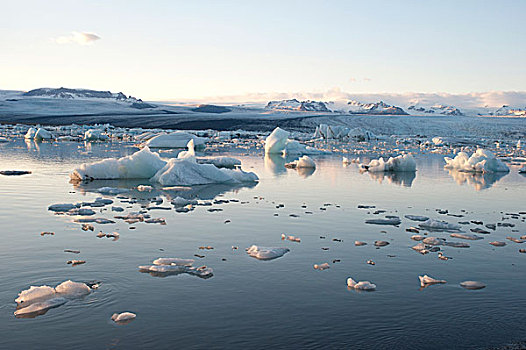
(283, 303)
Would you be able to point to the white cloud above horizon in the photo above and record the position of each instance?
(81, 38)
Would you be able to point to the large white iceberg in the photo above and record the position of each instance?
(178, 139)
(145, 164)
(141, 165)
(482, 161)
(95, 135)
(275, 142)
(401, 163)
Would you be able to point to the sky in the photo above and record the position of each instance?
(198, 50)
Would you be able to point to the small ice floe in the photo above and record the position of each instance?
(303, 162)
(290, 238)
(111, 190)
(95, 135)
(401, 163)
(114, 235)
(163, 267)
(439, 225)
(522, 250)
(178, 139)
(516, 240)
(418, 237)
(412, 229)
(14, 172)
(266, 253)
(63, 207)
(482, 161)
(123, 318)
(87, 227)
(472, 285)
(426, 280)
(322, 267)
(220, 162)
(75, 262)
(182, 202)
(416, 217)
(421, 248)
(433, 241)
(498, 243)
(359, 243)
(381, 243)
(370, 262)
(467, 236)
(395, 221)
(71, 251)
(101, 234)
(362, 285)
(38, 300)
(47, 233)
(144, 188)
(457, 244)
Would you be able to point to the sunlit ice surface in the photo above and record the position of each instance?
(283, 302)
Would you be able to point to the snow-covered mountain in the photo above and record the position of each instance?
(376, 108)
(506, 110)
(295, 105)
(438, 109)
(66, 93)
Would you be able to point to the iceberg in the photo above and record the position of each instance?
(123, 317)
(42, 134)
(178, 139)
(141, 165)
(303, 162)
(401, 163)
(426, 280)
(439, 225)
(174, 266)
(362, 285)
(264, 253)
(95, 135)
(276, 141)
(482, 161)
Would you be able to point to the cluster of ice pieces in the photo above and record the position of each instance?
(278, 143)
(145, 164)
(176, 266)
(37, 300)
(482, 161)
(401, 163)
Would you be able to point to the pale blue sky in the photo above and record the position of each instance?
(195, 49)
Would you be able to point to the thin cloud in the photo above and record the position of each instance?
(81, 38)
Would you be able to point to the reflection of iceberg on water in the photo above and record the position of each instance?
(202, 192)
(398, 178)
(305, 172)
(480, 181)
(275, 163)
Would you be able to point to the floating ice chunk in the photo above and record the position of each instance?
(72, 289)
(220, 162)
(35, 294)
(427, 280)
(497, 243)
(482, 161)
(144, 188)
(30, 134)
(359, 243)
(62, 207)
(140, 165)
(322, 267)
(438, 141)
(276, 141)
(95, 135)
(111, 190)
(416, 217)
(40, 307)
(186, 172)
(178, 139)
(182, 202)
(417, 237)
(386, 221)
(439, 225)
(468, 236)
(173, 261)
(472, 285)
(433, 241)
(401, 163)
(362, 285)
(303, 162)
(123, 317)
(264, 253)
(165, 270)
(293, 147)
(381, 243)
(457, 244)
(42, 134)
(290, 238)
